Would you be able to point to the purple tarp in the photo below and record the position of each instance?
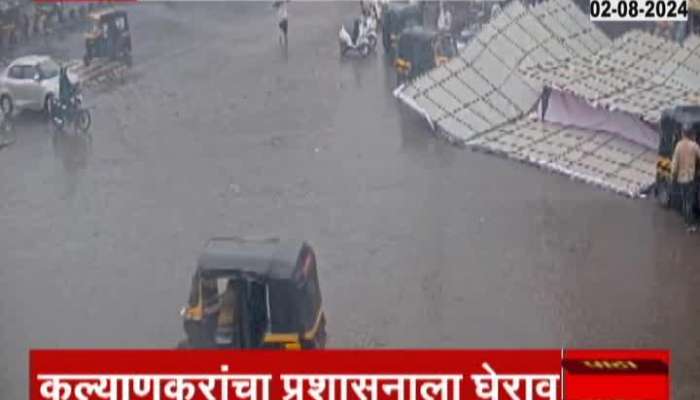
(568, 109)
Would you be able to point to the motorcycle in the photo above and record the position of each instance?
(70, 112)
(365, 32)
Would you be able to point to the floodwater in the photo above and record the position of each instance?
(219, 131)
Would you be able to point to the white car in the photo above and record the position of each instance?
(29, 82)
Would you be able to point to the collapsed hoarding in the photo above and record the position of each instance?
(483, 88)
(597, 157)
(608, 94)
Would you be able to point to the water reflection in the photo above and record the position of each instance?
(73, 151)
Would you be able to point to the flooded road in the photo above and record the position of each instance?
(219, 131)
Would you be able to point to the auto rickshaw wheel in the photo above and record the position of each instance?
(663, 193)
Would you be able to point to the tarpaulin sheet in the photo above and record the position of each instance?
(568, 109)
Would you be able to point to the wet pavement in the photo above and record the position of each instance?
(219, 131)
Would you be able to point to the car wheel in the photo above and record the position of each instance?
(663, 193)
(6, 104)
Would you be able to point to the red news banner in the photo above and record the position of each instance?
(348, 375)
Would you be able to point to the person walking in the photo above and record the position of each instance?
(282, 19)
(683, 165)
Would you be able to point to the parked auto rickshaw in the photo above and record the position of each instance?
(255, 294)
(421, 50)
(694, 16)
(672, 122)
(109, 36)
(395, 18)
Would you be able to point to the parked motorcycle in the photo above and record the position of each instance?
(71, 112)
(359, 36)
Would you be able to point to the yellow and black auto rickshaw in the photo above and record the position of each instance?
(672, 122)
(421, 50)
(255, 294)
(694, 16)
(109, 36)
(397, 16)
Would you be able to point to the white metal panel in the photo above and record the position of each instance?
(506, 51)
(460, 91)
(522, 39)
(474, 80)
(492, 69)
(446, 101)
(599, 158)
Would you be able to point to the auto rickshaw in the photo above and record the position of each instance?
(255, 294)
(672, 122)
(395, 18)
(421, 50)
(109, 36)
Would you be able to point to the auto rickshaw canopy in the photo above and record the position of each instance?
(398, 16)
(287, 270)
(106, 15)
(672, 122)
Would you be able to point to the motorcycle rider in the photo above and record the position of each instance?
(358, 33)
(67, 90)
